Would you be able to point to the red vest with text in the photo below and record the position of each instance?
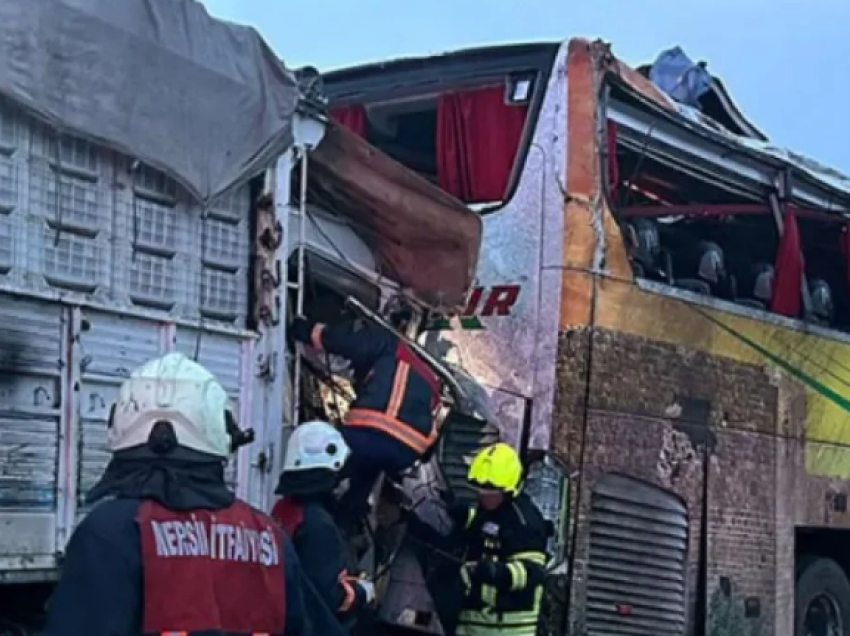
(211, 572)
(289, 514)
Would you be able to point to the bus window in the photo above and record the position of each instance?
(465, 141)
(462, 120)
(688, 231)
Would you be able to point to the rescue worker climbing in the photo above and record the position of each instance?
(315, 455)
(499, 586)
(167, 548)
(390, 424)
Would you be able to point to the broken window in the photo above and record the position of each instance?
(827, 267)
(462, 120)
(693, 232)
(467, 139)
(478, 135)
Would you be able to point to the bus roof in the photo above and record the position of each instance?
(725, 124)
(822, 176)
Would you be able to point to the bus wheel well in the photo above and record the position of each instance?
(822, 582)
(812, 543)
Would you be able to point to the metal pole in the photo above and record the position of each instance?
(299, 292)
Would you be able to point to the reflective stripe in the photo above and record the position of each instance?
(397, 429)
(474, 628)
(489, 594)
(399, 388)
(187, 634)
(489, 622)
(519, 577)
(471, 516)
(464, 576)
(347, 583)
(316, 336)
(534, 557)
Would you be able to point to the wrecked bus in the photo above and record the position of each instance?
(660, 312)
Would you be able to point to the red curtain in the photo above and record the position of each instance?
(352, 117)
(787, 282)
(477, 140)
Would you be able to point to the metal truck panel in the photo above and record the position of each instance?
(31, 342)
(100, 258)
(222, 355)
(97, 228)
(110, 348)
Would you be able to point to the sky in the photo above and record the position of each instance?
(786, 63)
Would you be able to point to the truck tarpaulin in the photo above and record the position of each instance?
(205, 101)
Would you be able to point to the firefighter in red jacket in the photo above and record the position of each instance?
(168, 549)
(390, 424)
(315, 456)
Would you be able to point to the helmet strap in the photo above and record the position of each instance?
(238, 437)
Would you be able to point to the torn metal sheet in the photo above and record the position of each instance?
(424, 239)
(824, 176)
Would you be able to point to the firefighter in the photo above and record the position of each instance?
(315, 455)
(390, 424)
(167, 548)
(503, 541)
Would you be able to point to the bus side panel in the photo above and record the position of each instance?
(507, 336)
(705, 404)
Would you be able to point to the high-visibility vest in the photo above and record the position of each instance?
(515, 541)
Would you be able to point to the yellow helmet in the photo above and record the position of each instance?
(497, 467)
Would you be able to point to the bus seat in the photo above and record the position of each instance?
(822, 308)
(708, 269)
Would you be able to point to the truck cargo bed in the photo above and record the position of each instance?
(104, 264)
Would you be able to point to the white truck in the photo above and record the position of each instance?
(165, 192)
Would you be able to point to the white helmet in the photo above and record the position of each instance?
(177, 390)
(315, 445)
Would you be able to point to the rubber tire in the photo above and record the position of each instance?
(821, 575)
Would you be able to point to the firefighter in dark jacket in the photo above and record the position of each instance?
(390, 424)
(504, 538)
(167, 548)
(315, 455)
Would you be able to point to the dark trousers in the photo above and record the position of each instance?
(372, 453)
(440, 558)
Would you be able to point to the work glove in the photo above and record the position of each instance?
(299, 330)
(447, 496)
(487, 572)
(368, 589)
